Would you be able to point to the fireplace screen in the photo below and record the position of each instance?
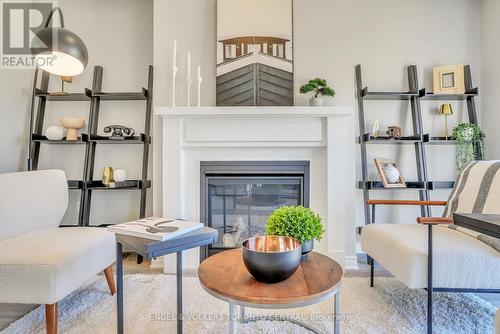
(238, 204)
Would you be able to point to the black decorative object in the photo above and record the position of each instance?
(87, 185)
(419, 139)
(271, 258)
(119, 132)
(68, 52)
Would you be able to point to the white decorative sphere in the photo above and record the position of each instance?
(54, 132)
(391, 173)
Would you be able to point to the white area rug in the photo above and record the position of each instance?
(389, 307)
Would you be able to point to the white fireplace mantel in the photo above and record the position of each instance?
(254, 111)
(322, 135)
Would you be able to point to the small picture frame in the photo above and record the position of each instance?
(448, 79)
(389, 174)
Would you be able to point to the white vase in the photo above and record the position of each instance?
(315, 101)
(391, 173)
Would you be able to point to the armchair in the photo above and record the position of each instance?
(432, 256)
(41, 263)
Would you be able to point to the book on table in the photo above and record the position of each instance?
(155, 228)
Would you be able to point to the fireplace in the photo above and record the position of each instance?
(238, 196)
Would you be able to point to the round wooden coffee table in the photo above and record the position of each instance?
(225, 277)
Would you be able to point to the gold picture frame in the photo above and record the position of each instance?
(380, 164)
(448, 79)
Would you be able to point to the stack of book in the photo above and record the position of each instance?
(155, 228)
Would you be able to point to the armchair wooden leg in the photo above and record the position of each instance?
(51, 318)
(108, 272)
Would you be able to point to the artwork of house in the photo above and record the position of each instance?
(254, 60)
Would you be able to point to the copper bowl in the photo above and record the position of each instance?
(271, 258)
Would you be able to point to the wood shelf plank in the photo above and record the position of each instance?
(43, 139)
(450, 97)
(68, 97)
(141, 139)
(390, 140)
(117, 96)
(137, 185)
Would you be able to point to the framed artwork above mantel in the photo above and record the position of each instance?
(254, 56)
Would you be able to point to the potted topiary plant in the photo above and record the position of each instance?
(298, 222)
(469, 138)
(320, 88)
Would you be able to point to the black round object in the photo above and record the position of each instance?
(271, 258)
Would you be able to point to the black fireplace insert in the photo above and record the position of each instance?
(238, 196)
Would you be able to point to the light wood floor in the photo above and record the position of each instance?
(11, 312)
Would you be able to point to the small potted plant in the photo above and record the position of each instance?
(320, 88)
(470, 142)
(297, 222)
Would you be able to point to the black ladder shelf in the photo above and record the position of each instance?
(91, 139)
(419, 139)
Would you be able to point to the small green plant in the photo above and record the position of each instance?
(468, 137)
(295, 221)
(318, 86)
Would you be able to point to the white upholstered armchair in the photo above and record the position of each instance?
(443, 258)
(41, 263)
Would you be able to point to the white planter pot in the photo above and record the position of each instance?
(315, 101)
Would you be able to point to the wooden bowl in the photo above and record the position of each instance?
(271, 258)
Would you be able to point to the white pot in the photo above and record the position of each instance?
(315, 101)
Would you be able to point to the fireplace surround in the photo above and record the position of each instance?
(323, 136)
(236, 197)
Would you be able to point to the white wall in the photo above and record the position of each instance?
(491, 76)
(392, 34)
(118, 35)
(330, 37)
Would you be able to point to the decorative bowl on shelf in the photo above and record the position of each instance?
(271, 258)
(72, 124)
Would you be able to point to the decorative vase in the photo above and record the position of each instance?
(315, 101)
(307, 246)
(72, 124)
(391, 173)
(54, 132)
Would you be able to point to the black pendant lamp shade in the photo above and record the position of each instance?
(64, 52)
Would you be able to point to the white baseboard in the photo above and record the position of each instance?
(156, 263)
(348, 262)
(351, 263)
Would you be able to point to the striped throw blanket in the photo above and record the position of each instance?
(476, 190)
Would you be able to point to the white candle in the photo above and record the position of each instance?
(189, 66)
(199, 86)
(174, 71)
(174, 56)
